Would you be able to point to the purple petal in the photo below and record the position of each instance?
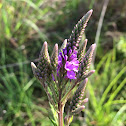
(60, 57)
(75, 68)
(68, 66)
(65, 57)
(65, 51)
(71, 74)
(53, 77)
(75, 62)
(74, 52)
(70, 51)
(72, 57)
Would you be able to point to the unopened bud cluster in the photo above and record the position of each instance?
(77, 99)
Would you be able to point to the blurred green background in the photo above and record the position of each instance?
(26, 24)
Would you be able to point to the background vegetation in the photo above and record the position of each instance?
(26, 24)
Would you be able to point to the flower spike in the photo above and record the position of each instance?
(63, 46)
(54, 57)
(86, 61)
(64, 70)
(44, 65)
(78, 96)
(81, 50)
(78, 110)
(78, 30)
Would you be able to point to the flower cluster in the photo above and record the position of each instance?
(69, 62)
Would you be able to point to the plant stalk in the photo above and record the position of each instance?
(60, 114)
(60, 110)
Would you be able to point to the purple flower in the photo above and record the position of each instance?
(71, 74)
(53, 77)
(65, 51)
(73, 65)
(60, 57)
(73, 55)
(70, 62)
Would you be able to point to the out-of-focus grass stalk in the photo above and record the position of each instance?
(102, 104)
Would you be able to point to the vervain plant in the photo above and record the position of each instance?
(65, 69)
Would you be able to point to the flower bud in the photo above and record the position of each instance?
(82, 50)
(78, 96)
(78, 110)
(78, 30)
(44, 65)
(54, 57)
(86, 61)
